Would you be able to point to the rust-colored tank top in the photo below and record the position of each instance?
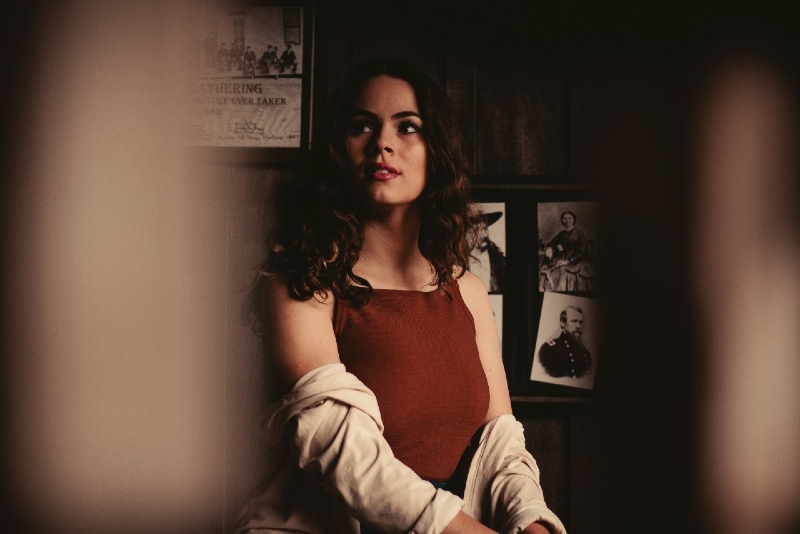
(416, 351)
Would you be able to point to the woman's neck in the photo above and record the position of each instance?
(390, 257)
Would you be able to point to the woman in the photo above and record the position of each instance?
(384, 342)
(567, 264)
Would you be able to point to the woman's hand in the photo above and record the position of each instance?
(464, 524)
(536, 528)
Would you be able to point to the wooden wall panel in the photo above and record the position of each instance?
(580, 103)
(251, 193)
(650, 377)
(585, 514)
(356, 35)
(521, 118)
(335, 45)
(460, 84)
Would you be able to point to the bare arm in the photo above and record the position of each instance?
(477, 300)
(298, 335)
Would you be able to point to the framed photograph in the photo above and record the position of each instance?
(489, 259)
(569, 246)
(566, 348)
(522, 216)
(250, 80)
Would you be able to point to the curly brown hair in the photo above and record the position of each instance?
(319, 236)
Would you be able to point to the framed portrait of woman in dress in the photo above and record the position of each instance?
(568, 246)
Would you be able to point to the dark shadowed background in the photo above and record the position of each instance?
(132, 384)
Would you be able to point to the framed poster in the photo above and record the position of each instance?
(523, 218)
(250, 80)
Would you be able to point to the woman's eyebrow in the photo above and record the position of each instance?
(404, 114)
(398, 115)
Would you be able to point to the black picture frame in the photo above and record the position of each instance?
(522, 301)
(276, 154)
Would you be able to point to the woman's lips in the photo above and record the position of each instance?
(382, 172)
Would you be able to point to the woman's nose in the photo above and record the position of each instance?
(383, 141)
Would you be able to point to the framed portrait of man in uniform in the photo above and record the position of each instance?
(565, 352)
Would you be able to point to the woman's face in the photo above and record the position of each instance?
(568, 220)
(385, 145)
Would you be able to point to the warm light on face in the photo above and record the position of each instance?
(385, 143)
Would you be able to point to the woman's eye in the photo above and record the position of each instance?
(359, 127)
(409, 127)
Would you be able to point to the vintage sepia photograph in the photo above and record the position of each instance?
(566, 345)
(246, 85)
(489, 258)
(568, 246)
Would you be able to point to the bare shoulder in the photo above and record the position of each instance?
(275, 297)
(473, 290)
(298, 334)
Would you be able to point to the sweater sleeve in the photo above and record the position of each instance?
(503, 489)
(342, 448)
(516, 494)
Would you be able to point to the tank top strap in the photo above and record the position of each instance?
(454, 288)
(451, 288)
